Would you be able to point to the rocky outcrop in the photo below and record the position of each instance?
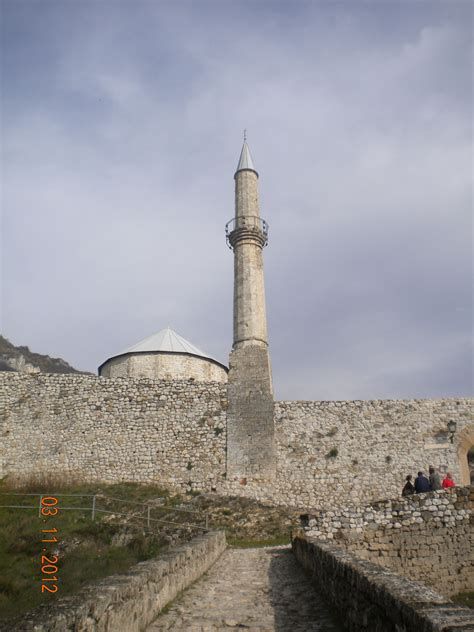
(23, 360)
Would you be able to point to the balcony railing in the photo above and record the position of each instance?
(249, 223)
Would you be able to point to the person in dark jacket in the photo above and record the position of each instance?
(422, 484)
(435, 480)
(409, 489)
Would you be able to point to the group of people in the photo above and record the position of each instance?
(424, 484)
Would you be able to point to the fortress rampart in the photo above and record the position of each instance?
(174, 432)
(101, 429)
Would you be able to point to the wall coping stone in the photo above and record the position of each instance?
(440, 508)
(374, 598)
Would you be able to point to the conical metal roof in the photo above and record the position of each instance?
(245, 161)
(166, 340)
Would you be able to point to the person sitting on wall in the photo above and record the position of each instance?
(422, 484)
(409, 488)
(448, 481)
(435, 480)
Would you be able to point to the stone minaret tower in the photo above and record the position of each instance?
(250, 428)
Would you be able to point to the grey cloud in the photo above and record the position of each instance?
(122, 130)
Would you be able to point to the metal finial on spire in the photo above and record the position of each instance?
(245, 161)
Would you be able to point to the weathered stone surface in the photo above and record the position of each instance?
(250, 426)
(434, 546)
(129, 602)
(331, 454)
(376, 599)
(250, 321)
(168, 366)
(174, 433)
(262, 590)
(112, 429)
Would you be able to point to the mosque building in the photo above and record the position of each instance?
(164, 356)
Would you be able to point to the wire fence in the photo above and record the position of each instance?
(145, 512)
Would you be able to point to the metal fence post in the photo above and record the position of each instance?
(40, 505)
(93, 507)
(148, 516)
(207, 521)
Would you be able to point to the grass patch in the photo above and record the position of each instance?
(240, 543)
(87, 550)
(465, 599)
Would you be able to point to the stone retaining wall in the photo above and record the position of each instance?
(426, 537)
(129, 602)
(374, 599)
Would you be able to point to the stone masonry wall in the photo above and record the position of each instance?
(250, 425)
(372, 599)
(168, 366)
(351, 453)
(174, 432)
(425, 537)
(104, 429)
(131, 601)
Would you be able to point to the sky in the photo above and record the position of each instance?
(121, 129)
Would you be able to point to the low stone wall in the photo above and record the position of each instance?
(375, 599)
(426, 537)
(131, 601)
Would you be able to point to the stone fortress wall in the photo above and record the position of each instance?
(174, 432)
(112, 429)
(352, 452)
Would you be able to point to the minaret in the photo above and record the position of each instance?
(250, 428)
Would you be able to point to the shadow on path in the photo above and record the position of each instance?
(296, 603)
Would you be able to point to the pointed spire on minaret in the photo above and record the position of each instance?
(245, 161)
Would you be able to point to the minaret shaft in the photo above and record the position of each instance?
(250, 321)
(250, 426)
(246, 193)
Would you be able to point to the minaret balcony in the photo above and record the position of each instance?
(248, 228)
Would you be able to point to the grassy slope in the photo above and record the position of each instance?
(87, 550)
(466, 599)
(90, 550)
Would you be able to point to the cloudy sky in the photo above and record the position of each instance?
(121, 130)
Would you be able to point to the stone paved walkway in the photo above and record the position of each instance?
(259, 590)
